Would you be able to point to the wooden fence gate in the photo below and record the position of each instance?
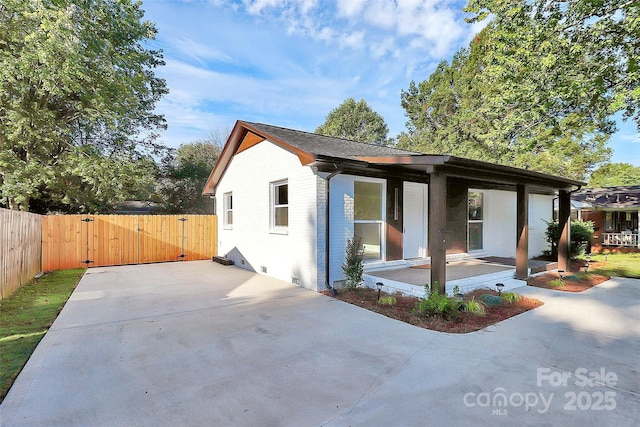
(73, 241)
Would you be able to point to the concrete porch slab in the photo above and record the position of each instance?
(467, 274)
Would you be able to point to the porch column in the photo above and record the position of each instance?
(437, 226)
(564, 227)
(522, 215)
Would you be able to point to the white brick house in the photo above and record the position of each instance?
(272, 184)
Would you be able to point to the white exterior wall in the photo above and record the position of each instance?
(250, 243)
(540, 210)
(499, 229)
(500, 222)
(341, 212)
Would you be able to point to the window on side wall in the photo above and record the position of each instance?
(476, 213)
(228, 210)
(279, 206)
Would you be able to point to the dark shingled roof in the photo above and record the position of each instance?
(609, 197)
(358, 157)
(329, 146)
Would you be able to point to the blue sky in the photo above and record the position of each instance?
(288, 63)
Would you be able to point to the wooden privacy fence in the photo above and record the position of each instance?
(20, 249)
(72, 241)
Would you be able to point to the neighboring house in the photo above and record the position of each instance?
(272, 185)
(614, 212)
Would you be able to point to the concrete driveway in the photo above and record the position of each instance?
(197, 343)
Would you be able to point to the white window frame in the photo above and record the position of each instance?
(227, 207)
(273, 228)
(476, 221)
(382, 221)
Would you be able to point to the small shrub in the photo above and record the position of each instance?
(388, 300)
(556, 283)
(437, 305)
(510, 297)
(580, 235)
(491, 300)
(353, 266)
(475, 307)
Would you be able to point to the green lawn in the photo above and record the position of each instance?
(624, 265)
(26, 316)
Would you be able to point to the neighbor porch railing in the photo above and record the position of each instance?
(627, 240)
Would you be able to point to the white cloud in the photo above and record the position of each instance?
(380, 49)
(381, 13)
(307, 5)
(199, 51)
(255, 7)
(354, 40)
(349, 8)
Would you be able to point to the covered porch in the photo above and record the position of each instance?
(449, 177)
(467, 273)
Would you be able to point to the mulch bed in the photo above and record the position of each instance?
(465, 322)
(573, 282)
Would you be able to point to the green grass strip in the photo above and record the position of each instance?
(622, 265)
(26, 316)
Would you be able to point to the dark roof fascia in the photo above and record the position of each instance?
(304, 155)
(478, 171)
(559, 181)
(360, 168)
(508, 178)
(230, 147)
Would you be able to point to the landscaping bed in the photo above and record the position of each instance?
(575, 280)
(569, 282)
(462, 322)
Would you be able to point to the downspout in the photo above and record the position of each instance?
(327, 246)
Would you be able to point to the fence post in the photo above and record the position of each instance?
(182, 255)
(87, 261)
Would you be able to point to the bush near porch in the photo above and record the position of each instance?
(581, 234)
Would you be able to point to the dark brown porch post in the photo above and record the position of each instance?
(437, 225)
(564, 227)
(522, 247)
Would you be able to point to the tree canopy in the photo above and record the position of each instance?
(185, 174)
(537, 88)
(565, 55)
(614, 174)
(355, 121)
(466, 109)
(77, 101)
